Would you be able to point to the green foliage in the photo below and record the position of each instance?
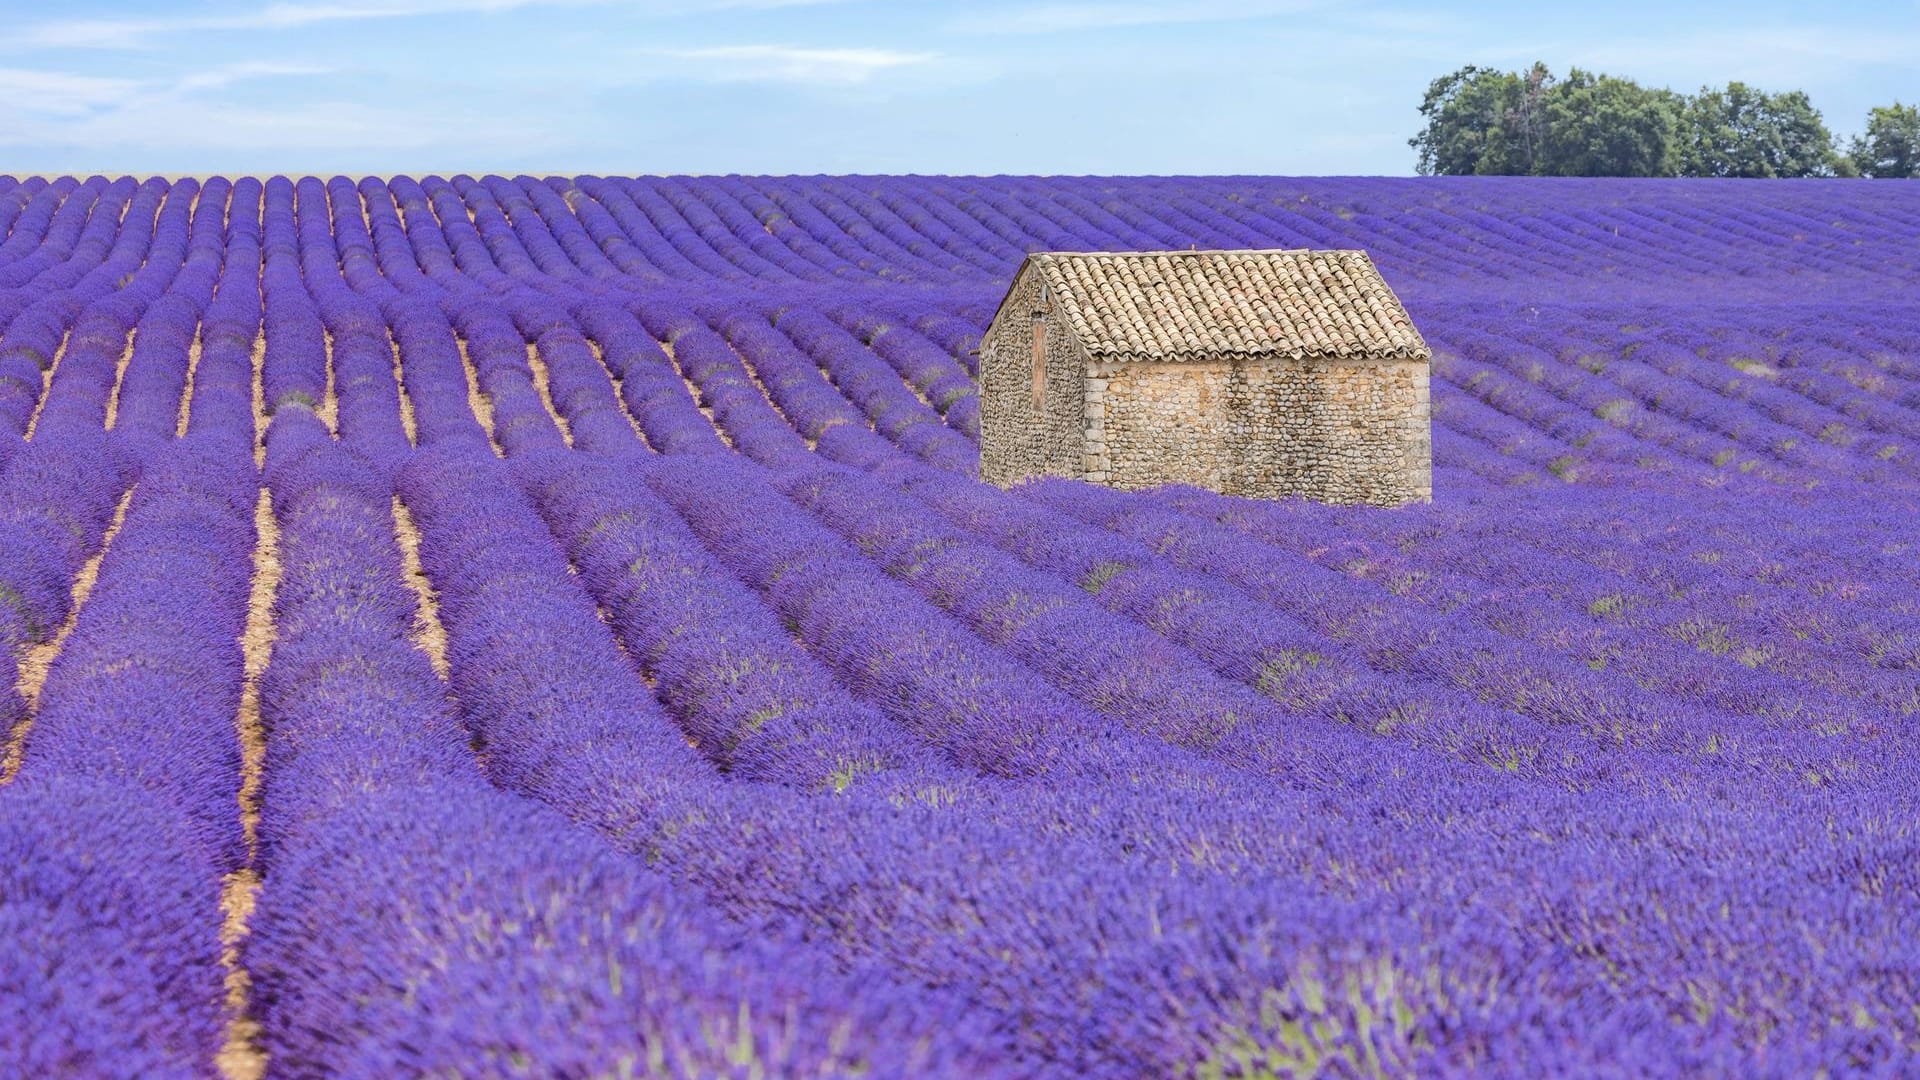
(1480, 121)
(1278, 671)
(1890, 147)
(1373, 1019)
(1598, 125)
(295, 397)
(1483, 122)
(1743, 131)
(1098, 577)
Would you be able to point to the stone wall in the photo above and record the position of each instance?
(1016, 439)
(1338, 431)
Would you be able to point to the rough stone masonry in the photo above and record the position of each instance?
(1257, 373)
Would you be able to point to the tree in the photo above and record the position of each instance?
(1891, 146)
(1599, 125)
(1487, 122)
(1483, 122)
(1744, 131)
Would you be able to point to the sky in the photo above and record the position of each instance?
(836, 86)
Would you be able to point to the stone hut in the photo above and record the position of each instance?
(1259, 373)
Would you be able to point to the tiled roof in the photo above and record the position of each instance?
(1193, 305)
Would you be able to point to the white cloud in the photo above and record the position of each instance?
(1778, 54)
(1055, 18)
(57, 93)
(219, 77)
(787, 63)
(120, 124)
(50, 102)
(136, 33)
(316, 131)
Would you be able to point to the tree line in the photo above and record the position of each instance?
(1483, 122)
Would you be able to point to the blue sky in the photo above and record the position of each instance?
(624, 86)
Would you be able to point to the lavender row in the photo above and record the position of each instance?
(732, 675)
(700, 853)
(1697, 637)
(125, 814)
(1454, 650)
(563, 956)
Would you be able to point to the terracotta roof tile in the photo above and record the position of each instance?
(1187, 305)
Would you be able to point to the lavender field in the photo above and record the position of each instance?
(551, 627)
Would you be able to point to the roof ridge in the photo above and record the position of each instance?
(1158, 252)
